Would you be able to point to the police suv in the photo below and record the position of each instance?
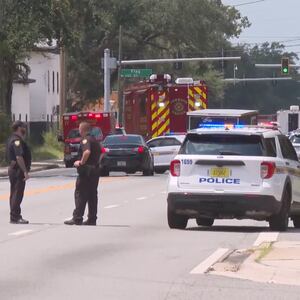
(227, 172)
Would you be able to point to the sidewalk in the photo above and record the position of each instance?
(38, 166)
(277, 263)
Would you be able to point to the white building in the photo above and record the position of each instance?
(36, 101)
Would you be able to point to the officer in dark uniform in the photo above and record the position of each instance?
(88, 178)
(19, 157)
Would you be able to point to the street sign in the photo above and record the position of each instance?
(129, 73)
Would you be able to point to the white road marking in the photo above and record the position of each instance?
(21, 232)
(111, 206)
(266, 237)
(141, 198)
(211, 260)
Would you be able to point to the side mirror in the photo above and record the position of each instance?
(60, 138)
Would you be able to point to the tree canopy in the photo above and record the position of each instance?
(152, 28)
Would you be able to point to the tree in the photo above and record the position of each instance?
(23, 23)
(152, 29)
(267, 97)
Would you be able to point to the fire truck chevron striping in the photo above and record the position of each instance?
(160, 113)
(159, 106)
(197, 98)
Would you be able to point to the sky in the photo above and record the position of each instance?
(272, 20)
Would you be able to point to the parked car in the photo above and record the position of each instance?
(164, 149)
(295, 140)
(126, 153)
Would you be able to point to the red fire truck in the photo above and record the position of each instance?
(158, 106)
(102, 125)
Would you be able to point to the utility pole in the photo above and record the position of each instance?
(62, 91)
(106, 80)
(120, 85)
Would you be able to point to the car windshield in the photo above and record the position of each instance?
(95, 131)
(295, 139)
(223, 144)
(123, 139)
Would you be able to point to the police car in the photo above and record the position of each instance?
(295, 140)
(164, 149)
(227, 172)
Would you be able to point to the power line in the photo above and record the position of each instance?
(248, 3)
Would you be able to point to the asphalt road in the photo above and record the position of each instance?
(131, 254)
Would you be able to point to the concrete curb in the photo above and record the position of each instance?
(35, 168)
(279, 265)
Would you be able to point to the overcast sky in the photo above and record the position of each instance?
(272, 20)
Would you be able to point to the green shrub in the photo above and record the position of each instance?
(2, 155)
(50, 140)
(51, 149)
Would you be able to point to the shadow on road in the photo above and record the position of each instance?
(62, 224)
(223, 228)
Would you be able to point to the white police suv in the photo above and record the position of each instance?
(226, 172)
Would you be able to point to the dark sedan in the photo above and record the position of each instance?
(126, 153)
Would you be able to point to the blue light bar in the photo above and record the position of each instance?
(221, 126)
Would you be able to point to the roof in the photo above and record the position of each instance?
(222, 112)
(179, 137)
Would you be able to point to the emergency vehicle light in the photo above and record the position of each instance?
(221, 126)
(161, 104)
(90, 115)
(74, 118)
(198, 104)
(98, 116)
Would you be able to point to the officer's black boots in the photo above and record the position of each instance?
(19, 221)
(73, 222)
(89, 223)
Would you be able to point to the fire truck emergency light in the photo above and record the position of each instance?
(198, 104)
(161, 104)
(74, 118)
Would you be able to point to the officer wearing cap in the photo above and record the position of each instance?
(19, 157)
(86, 190)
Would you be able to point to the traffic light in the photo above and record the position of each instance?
(285, 62)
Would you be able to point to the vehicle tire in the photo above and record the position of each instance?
(130, 172)
(149, 172)
(69, 164)
(296, 221)
(176, 221)
(104, 173)
(205, 221)
(160, 170)
(280, 222)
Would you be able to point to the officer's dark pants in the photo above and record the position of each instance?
(86, 192)
(17, 187)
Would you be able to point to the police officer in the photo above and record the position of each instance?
(88, 178)
(19, 157)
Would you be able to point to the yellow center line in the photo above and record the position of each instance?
(54, 188)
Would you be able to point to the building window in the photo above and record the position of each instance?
(53, 82)
(48, 81)
(57, 82)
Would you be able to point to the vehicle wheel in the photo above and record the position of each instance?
(296, 221)
(205, 221)
(176, 221)
(69, 164)
(149, 172)
(160, 170)
(280, 222)
(104, 173)
(130, 172)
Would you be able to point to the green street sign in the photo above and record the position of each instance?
(129, 73)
